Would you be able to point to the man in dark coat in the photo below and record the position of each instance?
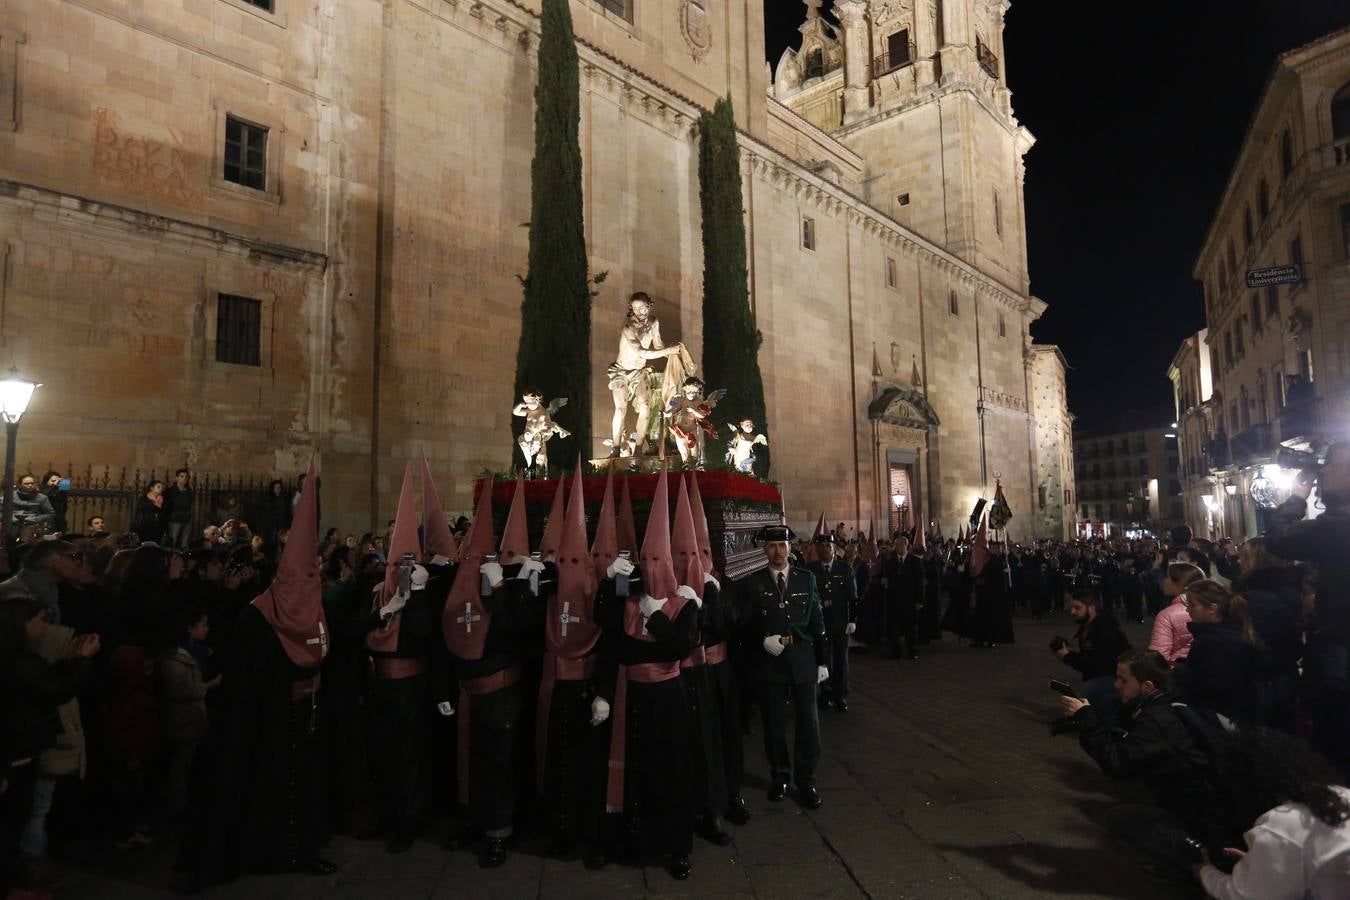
(786, 634)
(839, 607)
(904, 580)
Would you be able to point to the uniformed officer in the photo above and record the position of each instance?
(839, 607)
(786, 642)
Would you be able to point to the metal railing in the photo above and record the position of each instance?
(889, 61)
(988, 60)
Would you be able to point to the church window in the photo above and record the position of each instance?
(1340, 114)
(815, 64)
(238, 330)
(988, 59)
(953, 304)
(1286, 154)
(1263, 200)
(998, 214)
(621, 8)
(808, 233)
(891, 278)
(902, 199)
(898, 53)
(245, 153)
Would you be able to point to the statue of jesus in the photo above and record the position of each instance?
(630, 376)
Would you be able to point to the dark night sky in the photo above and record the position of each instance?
(1139, 111)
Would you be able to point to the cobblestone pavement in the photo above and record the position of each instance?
(940, 782)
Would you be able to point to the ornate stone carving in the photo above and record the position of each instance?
(696, 28)
(889, 10)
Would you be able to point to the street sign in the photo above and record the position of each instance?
(1273, 275)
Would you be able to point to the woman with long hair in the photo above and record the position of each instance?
(1170, 635)
(1299, 843)
(1222, 670)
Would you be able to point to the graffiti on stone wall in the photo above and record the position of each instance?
(139, 164)
(1005, 400)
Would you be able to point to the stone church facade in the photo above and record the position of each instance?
(233, 231)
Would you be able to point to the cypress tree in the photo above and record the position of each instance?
(730, 339)
(554, 355)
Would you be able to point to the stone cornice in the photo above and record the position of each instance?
(54, 207)
(956, 86)
(767, 164)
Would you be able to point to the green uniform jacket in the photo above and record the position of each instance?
(797, 616)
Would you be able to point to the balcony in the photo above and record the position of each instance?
(895, 57)
(1217, 455)
(1301, 417)
(1253, 445)
(988, 60)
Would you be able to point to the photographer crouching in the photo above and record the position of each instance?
(1100, 642)
(1164, 742)
(1324, 541)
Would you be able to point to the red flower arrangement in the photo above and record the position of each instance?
(714, 485)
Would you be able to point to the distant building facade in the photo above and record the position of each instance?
(1128, 476)
(1204, 501)
(1280, 352)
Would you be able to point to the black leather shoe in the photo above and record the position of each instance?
(778, 791)
(465, 837)
(737, 812)
(810, 797)
(841, 704)
(493, 855)
(320, 867)
(679, 868)
(711, 830)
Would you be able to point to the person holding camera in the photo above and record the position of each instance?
(1099, 642)
(1299, 843)
(1154, 738)
(1324, 541)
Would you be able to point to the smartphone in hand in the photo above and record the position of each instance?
(1062, 687)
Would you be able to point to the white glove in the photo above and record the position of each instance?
(599, 710)
(689, 593)
(850, 627)
(493, 571)
(419, 578)
(439, 560)
(445, 708)
(395, 605)
(551, 558)
(822, 674)
(528, 566)
(773, 645)
(620, 566)
(708, 578)
(649, 605)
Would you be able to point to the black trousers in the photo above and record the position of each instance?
(575, 761)
(705, 740)
(16, 807)
(398, 725)
(658, 778)
(900, 626)
(725, 682)
(837, 686)
(774, 699)
(494, 726)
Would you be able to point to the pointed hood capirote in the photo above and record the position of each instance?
(293, 603)
(548, 544)
(436, 537)
(700, 524)
(403, 541)
(655, 560)
(516, 535)
(571, 629)
(684, 543)
(605, 548)
(627, 524)
(465, 620)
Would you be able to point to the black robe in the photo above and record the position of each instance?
(257, 790)
(705, 738)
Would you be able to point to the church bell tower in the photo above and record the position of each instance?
(920, 92)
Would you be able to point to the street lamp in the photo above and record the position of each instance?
(1230, 489)
(898, 499)
(15, 393)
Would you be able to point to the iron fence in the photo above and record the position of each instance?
(113, 494)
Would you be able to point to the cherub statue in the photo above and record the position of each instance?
(688, 413)
(741, 448)
(539, 426)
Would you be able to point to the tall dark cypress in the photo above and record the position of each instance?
(555, 336)
(730, 339)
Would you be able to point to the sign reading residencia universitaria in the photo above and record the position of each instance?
(1269, 275)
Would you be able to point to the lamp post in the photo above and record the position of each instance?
(898, 500)
(15, 393)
